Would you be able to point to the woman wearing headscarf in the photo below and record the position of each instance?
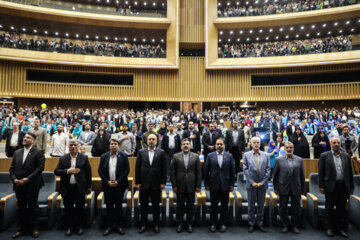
(301, 144)
(273, 152)
(77, 130)
(321, 143)
(309, 128)
(101, 144)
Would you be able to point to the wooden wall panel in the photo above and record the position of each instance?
(192, 21)
(190, 83)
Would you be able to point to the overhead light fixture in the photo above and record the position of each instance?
(153, 40)
(144, 40)
(277, 37)
(46, 32)
(324, 25)
(116, 38)
(12, 28)
(340, 31)
(77, 35)
(318, 34)
(248, 39)
(231, 32)
(329, 32)
(302, 27)
(267, 38)
(97, 37)
(241, 31)
(106, 38)
(87, 36)
(292, 28)
(162, 40)
(35, 31)
(348, 22)
(251, 31)
(154, 4)
(125, 39)
(336, 23)
(66, 34)
(219, 40)
(229, 40)
(260, 31)
(352, 29)
(313, 26)
(134, 39)
(56, 33)
(257, 39)
(297, 35)
(270, 30)
(281, 29)
(24, 29)
(287, 36)
(221, 33)
(238, 39)
(307, 34)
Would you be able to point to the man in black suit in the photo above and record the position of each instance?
(277, 127)
(289, 181)
(150, 179)
(14, 140)
(235, 143)
(219, 177)
(25, 172)
(75, 172)
(113, 171)
(185, 179)
(171, 144)
(337, 183)
(209, 140)
(194, 137)
(290, 129)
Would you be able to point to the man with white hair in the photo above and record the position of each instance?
(257, 171)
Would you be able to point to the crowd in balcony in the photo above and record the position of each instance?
(84, 47)
(280, 7)
(286, 48)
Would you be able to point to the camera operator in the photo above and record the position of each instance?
(348, 142)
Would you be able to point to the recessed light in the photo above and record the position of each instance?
(73, 8)
(247, 3)
(116, 38)
(281, 29)
(106, 38)
(324, 25)
(162, 40)
(231, 32)
(12, 28)
(46, 32)
(318, 34)
(219, 4)
(229, 40)
(260, 31)
(145, 3)
(238, 39)
(221, 32)
(144, 40)
(340, 31)
(97, 37)
(248, 39)
(237, 3)
(352, 29)
(219, 40)
(277, 37)
(270, 30)
(241, 31)
(287, 36)
(313, 26)
(0, 26)
(267, 38)
(136, 3)
(336, 23)
(153, 40)
(307, 34)
(126, 2)
(257, 39)
(125, 39)
(77, 35)
(302, 27)
(251, 31)
(154, 4)
(56, 33)
(134, 39)
(329, 32)
(347, 22)
(66, 34)
(35, 31)
(228, 3)
(292, 28)
(87, 36)
(24, 29)
(297, 35)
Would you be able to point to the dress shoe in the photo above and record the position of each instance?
(262, 229)
(80, 231)
(36, 233)
(120, 230)
(284, 229)
(189, 229)
(17, 234)
(142, 229)
(156, 229)
(329, 233)
(251, 229)
(296, 230)
(212, 228)
(68, 232)
(179, 229)
(343, 233)
(222, 228)
(107, 231)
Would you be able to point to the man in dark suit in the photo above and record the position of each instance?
(171, 144)
(337, 183)
(150, 179)
(25, 172)
(113, 171)
(194, 137)
(289, 181)
(138, 137)
(186, 179)
(277, 127)
(235, 143)
(209, 139)
(219, 176)
(75, 172)
(14, 140)
(290, 129)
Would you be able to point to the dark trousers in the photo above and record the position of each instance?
(113, 200)
(188, 198)
(75, 215)
(215, 198)
(237, 156)
(170, 155)
(336, 217)
(28, 210)
(295, 209)
(154, 196)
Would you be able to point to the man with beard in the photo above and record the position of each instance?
(59, 143)
(194, 137)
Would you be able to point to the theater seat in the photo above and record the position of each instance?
(137, 207)
(206, 207)
(354, 211)
(47, 199)
(275, 212)
(7, 201)
(315, 202)
(89, 209)
(173, 207)
(126, 209)
(241, 202)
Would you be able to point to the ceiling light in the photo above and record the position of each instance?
(241, 31)
(329, 32)
(24, 29)
(144, 40)
(238, 39)
(307, 34)
(270, 30)
(267, 38)
(106, 38)
(125, 39)
(281, 29)
(219, 40)
(73, 8)
(287, 36)
(46, 32)
(340, 31)
(221, 32)
(260, 31)
(347, 22)
(313, 26)
(251, 31)
(302, 27)
(336, 23)
(0, 26)
(154, 4)
(153, 40)
(292, 28)
(248, 39)
(35, 31)
(126, 2)
(145, 3)
(66, 34)
(324, 25)
(229, 40)
(237, 3)
(297, 35)
(231, 32)
(77, 35)
(134, 39)
(87, 36)
(228, 3)
(12, 28)
(56, 33)
(352, 29)
(257, 39)
(97, 37)
(318, 34)
(277, 37)
(219, 4)
(162, 40)
(116, 38)
(247, 3)
(136, 3)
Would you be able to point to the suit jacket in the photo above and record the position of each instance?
(327, 171)
(275, 128)
(196, 142)
(182, 177)
(287, 178)
(250, 172)
(41, 138)
(31, 168)
(165, 143)
(83, 178)
(289, 132)
(219, 178)
(206, 141)
(19, 143)
(240, 140)
(150, 175)
(89, 140)
(121, 172)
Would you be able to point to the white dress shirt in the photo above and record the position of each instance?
(14, 139)
(73, 165)
(151, 155)
(186, 159)
(112, 167)
(220, 157)
(171, 141)
(26, 152)
(59, 144)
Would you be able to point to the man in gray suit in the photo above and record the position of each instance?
(185, 174)
(257, 171)
(289, 181)
(41, 135)
(87, 137)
